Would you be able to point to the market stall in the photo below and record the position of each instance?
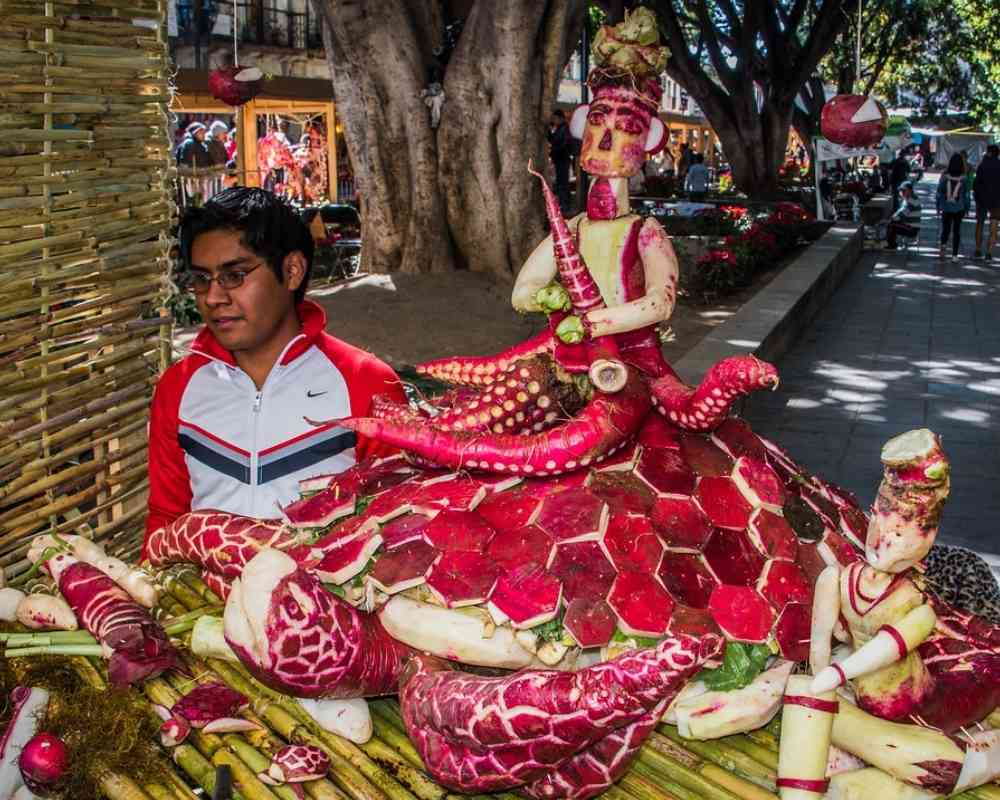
(286, 140)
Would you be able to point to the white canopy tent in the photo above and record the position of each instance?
(825, 150)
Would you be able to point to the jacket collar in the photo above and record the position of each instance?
(311, 315)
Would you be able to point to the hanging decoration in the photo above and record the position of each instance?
(232, 85)
(235, 86)
(854, 120)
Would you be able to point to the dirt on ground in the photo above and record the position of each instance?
(405, 319)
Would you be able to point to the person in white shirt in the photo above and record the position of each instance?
(696, 182)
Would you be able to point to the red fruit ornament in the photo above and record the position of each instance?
(854, 120)
(235, 86)
(43, 762)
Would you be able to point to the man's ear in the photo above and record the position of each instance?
(579, 121)
(294, 269)
(657, 136)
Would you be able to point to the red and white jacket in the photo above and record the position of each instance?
(217, 442)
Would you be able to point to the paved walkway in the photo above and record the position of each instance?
(908, 341)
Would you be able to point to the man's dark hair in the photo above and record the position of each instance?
(267, 225)
(558, 112)
(699, 158)
(993, 151)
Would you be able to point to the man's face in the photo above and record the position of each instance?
(199, 135)
(615, 137)
(248, 317)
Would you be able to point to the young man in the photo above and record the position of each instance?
(229, 426)
(560, 151)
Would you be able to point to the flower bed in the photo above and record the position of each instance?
(752, 243)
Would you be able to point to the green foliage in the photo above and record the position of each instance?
(740, 665)
(551, 631)
(183, 309)
(638, 641)
(934, 54)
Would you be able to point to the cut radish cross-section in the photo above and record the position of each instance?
(527, 595)
(642, 605)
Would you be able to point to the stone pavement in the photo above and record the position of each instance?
(908, 341)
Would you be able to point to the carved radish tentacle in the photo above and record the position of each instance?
(298, 638)
(704, 408)
(576, 279)
(543, 727)
(219, 542)
(605, 424)
(482, 370)
(521, 399)
(139, 647)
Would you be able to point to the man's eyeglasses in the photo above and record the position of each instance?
(200, 282)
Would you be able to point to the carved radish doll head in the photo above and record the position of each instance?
(619, 128)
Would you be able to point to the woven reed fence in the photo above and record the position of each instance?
(85, 210)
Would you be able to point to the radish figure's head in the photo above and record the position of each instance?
(619, 129)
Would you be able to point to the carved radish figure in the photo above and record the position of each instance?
(570, 503)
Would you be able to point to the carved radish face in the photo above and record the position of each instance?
(616, 133)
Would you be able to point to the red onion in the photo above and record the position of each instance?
(43, 761)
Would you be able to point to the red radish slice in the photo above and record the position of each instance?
(741, 613)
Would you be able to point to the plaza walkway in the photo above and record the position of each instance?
(908, 341)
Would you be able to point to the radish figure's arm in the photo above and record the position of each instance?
(537, 272)
(659, 263)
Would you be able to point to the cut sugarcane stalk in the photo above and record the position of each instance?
(806, 724)
(711, 715)
(982, 760)
(870, 783)
(915, 755)
(208, 639)
(889, 645)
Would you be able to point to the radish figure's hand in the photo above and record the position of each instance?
(573, 330)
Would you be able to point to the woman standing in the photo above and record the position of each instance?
(952, 203)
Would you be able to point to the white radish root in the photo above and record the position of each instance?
(45, 612)
(348, 718)
(450, 634)
(10, 599)
(825, 613)
(704, 714)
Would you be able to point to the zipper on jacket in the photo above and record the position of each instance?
(254, 455)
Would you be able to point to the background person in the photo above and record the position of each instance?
(215, 142)
(560, 151)
(193, 151)
(906, 221)
(986, 189)
(952, 203)
(696, 182)
(228, 424)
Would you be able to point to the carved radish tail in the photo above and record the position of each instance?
(573, 273)
(482, 370)
(704, 408)
(296, 637)
(219, 542)
(559, 734)
(139, 647)
(604, 425)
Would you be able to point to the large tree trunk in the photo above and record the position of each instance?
(744, 64)
(459, 196)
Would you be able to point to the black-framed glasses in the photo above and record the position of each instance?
(200, 282)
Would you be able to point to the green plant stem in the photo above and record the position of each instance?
(201, 588)
(185, 622)
(763, 755)
(687, 776)
(256, 761)
(13, 640)
(187, 596)
(644, 785)
(55, 650)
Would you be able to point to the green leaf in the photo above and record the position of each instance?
(551, 631)
(639, 641)
(740, 665)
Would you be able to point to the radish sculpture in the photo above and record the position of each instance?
(573, 513)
